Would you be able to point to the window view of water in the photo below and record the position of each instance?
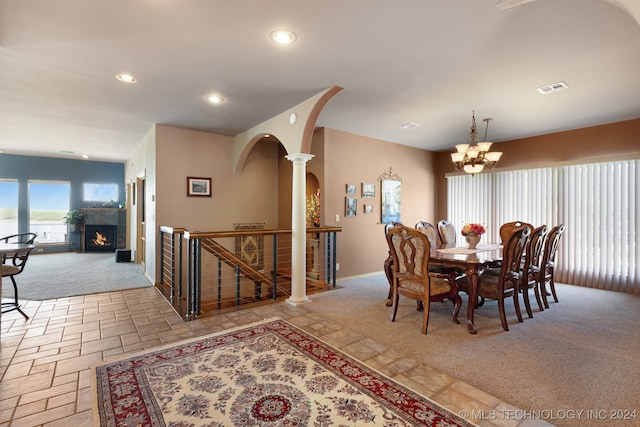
(48, 232)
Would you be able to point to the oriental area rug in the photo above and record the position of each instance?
(265, 374)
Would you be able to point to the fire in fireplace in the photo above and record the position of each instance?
(100, 238)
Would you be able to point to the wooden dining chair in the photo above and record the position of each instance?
(447, 233)
(387, 266)
(506, 230)
(506, 283)
(531, 267)
(548, 264)
(410, 250)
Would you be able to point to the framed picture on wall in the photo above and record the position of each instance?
(368, 209)
(198, 187)
(368, 190)
(351, 189)
(351, 206)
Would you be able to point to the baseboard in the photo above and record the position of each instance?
(359, 276)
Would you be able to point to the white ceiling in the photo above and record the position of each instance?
(429, 62)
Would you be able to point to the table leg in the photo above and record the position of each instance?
(473, 278)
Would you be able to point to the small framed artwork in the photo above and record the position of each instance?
(198, 187)
(351, 189)
(351, 206)
(368, 209)
(368, 190)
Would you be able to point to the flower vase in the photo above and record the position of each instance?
(473, 240)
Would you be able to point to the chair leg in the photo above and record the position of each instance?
(543, 291)
(503, 317)
(527, 303)
(538, 299)
(394, 309)
(552, 285)
(425, 316)
(15, 304)
(516, 304)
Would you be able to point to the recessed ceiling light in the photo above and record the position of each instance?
(216, 99)
(126, 78)
(408, 125)
(283, 36)
(84, 156)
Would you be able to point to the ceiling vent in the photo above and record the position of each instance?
(555, 87)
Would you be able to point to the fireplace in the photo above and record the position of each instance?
(100, 238)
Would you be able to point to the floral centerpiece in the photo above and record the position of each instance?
(472, 233)
(473, 228)
(313, 210)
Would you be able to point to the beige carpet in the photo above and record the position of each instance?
(582, 354)
(51, 276)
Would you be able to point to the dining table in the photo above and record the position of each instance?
(471, 261)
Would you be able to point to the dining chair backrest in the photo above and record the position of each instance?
(551, 247)
(391, 225)
(447, 232)
(534, 249)
(512, 252)
(410, 248)
(25, 238)
(508, 228)
(430, 231)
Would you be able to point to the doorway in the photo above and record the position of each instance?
(140, 220)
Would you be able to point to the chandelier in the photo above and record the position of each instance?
(475, 156)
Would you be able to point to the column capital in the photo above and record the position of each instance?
(299, 157)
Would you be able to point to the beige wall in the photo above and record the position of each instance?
(250, 196)
(246, 197)
(354, 159)
(606, 142)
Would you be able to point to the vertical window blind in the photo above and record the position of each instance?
(597, 202)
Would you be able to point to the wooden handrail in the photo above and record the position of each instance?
(234, 233)
(232, 260)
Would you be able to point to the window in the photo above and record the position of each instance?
(48, 204)
(597, 202)
(8, 207)
(100, 192)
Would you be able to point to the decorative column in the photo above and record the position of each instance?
(298, 229)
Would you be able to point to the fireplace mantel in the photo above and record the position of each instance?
(107, 216)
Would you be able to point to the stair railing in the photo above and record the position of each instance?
(204, 272)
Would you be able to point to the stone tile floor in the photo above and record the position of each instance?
(44, 361)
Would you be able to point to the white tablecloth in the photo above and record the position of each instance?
(479, 248)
